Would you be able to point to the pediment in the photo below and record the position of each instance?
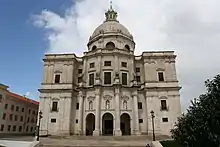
(126, 98)
(91, 98)
(107, 97)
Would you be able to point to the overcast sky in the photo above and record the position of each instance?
(191, 28)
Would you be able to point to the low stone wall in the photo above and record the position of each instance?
(156, 144)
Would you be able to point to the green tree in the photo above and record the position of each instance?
(200, 126)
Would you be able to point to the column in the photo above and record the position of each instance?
(117, 130)
(96, 132)
(81, 109)
(135, 113)
(145, 118)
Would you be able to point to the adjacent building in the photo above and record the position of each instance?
(109, 90)
(18, 114)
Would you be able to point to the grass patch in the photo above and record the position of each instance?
(170, 143)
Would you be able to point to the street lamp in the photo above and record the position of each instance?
(38, 130)
(152, 116)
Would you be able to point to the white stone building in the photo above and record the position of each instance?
(109, 91)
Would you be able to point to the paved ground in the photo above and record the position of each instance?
(102, 141)
(18, 141)
(18, 138)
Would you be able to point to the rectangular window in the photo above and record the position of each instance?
(79, 79)
(10, 116)
(138, 69)
(165, 119)
(53, 120)
(31, 129)
(57, 79)
(17, 108)
(12, 107)
(4, 116)
(92, 65)
(54, 106)
(29, 111)
(9, 128)
(77, 121)
(107, 77)
(77, 106)
(123, 64)
(139, 105)
(27, 128)
(163, 105)
(91, 79)
(138, 78)
(22, 110)
(14, 128)
(28, 119)
(160, 76)
(6, 106)
(2, 127)
(107, 63)
(140, 120)
(124, 79)
(20, 128)
(21, 119)
(79, 71)
(1, 98)
(16, 117)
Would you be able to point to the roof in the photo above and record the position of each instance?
(22, 98)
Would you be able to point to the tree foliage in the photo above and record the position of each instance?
(200, 126)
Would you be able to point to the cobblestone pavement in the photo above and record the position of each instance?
(102, 141)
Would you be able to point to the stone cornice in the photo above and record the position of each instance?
(104, 52)
(57, 90)
(107, 35)
(162, 88)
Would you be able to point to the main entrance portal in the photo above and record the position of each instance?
(125, 124)
(107, 124)
(90, 124)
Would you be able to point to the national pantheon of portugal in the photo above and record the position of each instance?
(109, 91)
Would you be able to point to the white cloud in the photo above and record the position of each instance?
(191, 28)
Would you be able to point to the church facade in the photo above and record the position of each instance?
(109, 91)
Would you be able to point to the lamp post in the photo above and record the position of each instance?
(152, 116)
(38, 130)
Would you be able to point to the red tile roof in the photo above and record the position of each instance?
(22, 98)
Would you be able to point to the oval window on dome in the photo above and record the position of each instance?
(110, 45)
(127, 47)
(94, 47)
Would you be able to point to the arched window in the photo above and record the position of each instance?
(127, 47)
(125, 105)
(90, 105)
(110, 45)
(107, 104)
(94, 47)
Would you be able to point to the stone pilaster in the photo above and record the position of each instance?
(135, 113)
(96, 132)
(81, 109)
(117, 130)
(145, 118)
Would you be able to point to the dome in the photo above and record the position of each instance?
(111, 26)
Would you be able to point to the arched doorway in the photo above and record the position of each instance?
(90, 124)
(125, 124)
(107, 124)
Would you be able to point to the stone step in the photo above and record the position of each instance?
(141, 137)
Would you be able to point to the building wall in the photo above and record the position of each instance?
(20, 116)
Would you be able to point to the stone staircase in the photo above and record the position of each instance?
(98, 141)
